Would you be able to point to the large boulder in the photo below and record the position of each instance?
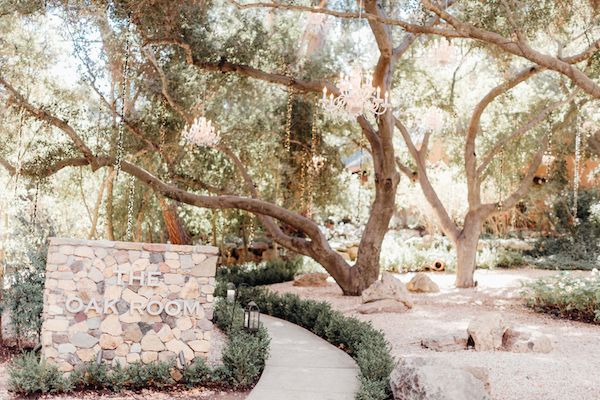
(486, 332)
(421, 283)
(433, 379)
(520, 341)
(387, 288)
(450, 342)
(386, 295)
(315, 279)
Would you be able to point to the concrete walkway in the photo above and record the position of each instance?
(302, 366)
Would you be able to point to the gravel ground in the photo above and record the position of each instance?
(569, 372)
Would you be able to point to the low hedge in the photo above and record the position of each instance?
(244, 358)
(265, 273)
(359, 339)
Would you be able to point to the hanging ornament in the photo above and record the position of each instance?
(35, 206)
(202, 133)
(500, 191)
(357, 97)
(576, 163)
(443, 54)
(130, 207)
(288, 120)
(124, 83)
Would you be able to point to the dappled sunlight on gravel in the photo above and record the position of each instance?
(569, 372)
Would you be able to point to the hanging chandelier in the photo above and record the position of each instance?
(357, 96)
(202, 133)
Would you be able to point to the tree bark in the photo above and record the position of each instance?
(466, 251)
(175, 229)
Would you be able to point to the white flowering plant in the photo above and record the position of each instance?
(567, 295)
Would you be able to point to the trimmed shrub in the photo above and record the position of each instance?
(244, 356)
(265, 273)
(28, 375)
(359, 339)
(153, 375)
(197, 373)
(566, 296)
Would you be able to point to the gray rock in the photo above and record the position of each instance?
(156, 258)
(432, 379)
(388, 288)
(445, 343)
(83, 340)
(519, 341)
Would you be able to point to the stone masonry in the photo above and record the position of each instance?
(134, 301)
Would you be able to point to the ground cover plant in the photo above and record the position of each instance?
(243, 357)
(567, 296)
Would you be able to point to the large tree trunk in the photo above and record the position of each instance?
(466, 251)
(175, 229)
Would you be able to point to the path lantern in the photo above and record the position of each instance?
(252, 317)
(230, 292)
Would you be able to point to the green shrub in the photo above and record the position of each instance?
(265, 273)
(244, 356)
(153, 375)
(90, 375)
(197, 373)
(372, 390)
(359, 339)
(566, 296)
(28, 375)
(577, 246)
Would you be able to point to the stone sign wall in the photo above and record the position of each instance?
(134, 301)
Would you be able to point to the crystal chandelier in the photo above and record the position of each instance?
(202, 133)
(357, 96)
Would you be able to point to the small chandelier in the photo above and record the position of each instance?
(357, 96)
(202, 133)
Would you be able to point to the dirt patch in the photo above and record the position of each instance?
(569, 372)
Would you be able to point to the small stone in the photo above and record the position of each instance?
(108, 342)
(151, 342)
(421, 283)
(486, 332)
(446, 343)
(184, 323)
(135, 348)
(84, 251)
(166, 356)
(176, 374)
(57, 258)
(66, 348)
(156, 258)
(387, 288)
(174, 279)
(132, 357)
(122, 350)
(93, 323)
(86, 355)
(95, 275)
(202, 346)
(56, 325)
(177, 346)
(186, 261)
(83, 340)
(111, 325)
(207, 268)
(149, 357)
(59, 338)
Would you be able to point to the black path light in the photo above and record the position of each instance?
(252, 317)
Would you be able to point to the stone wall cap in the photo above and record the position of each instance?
(199, 248)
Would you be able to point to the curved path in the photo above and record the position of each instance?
(302, 366)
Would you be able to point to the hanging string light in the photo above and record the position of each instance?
(124, 83)
(576, 163)
(288, 121)
(35, 206)
(500, 191)
(130, 207)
